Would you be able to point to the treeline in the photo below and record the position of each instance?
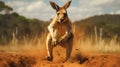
(3, 6)
(14, 24)
(107, 26)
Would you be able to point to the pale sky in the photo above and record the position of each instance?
(79, 9)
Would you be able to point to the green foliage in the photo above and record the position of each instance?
(10, 23)
(15, 25)
(36, 26)
(3, 6)
(110, 25)
(20, 26)
(1, 3)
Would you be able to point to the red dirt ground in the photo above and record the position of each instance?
(37, 59)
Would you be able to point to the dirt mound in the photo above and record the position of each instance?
(76, 60)
(91, 60)
(16, 60)
(109, 60)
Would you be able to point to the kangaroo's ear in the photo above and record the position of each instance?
(67, 4)
(54, 6)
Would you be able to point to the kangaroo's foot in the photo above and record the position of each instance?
(49, 58)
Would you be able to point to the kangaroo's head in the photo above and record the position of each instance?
(61, 11)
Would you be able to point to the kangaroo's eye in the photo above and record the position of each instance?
(65, 14)
(58, 13)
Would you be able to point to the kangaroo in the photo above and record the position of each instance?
(60, 31)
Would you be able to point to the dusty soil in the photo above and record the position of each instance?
(16, 60)
(37, 59)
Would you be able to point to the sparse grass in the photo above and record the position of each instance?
(26, 44)
(81, 42)
(101, 46)
(97, 44)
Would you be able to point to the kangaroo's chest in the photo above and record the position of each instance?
(60, 30)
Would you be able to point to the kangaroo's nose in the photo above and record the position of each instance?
(61, 19)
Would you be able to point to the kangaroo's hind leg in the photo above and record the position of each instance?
(69, 45)
(49, 48)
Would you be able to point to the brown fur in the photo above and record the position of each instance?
(60, 31)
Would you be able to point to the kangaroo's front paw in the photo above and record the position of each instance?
(54, 43)
(62, 40)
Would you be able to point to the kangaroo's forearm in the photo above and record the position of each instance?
(66, 35)
(51, 30)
